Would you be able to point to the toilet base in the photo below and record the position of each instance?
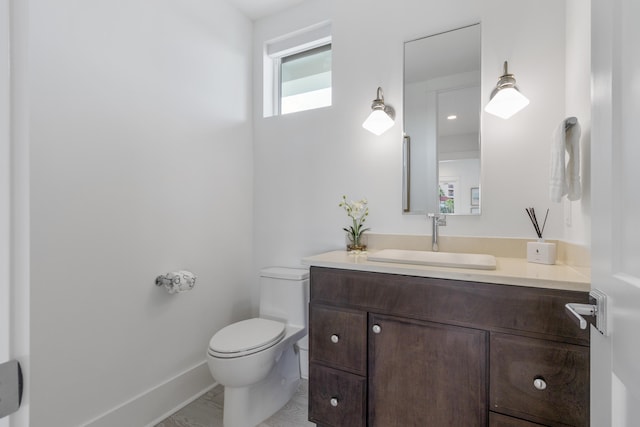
(249, 406)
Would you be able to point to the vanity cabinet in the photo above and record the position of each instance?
(391, 350)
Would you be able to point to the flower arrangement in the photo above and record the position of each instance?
(358, 212)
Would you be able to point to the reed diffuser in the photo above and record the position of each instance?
(534, 220)
(540, 252)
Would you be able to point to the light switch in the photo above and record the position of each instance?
(567, 213)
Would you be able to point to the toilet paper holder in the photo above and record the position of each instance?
(178, 281)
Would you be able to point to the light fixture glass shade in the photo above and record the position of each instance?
(381, 118)
(378, 122)
(506, 100)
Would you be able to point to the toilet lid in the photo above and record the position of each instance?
(246, 336)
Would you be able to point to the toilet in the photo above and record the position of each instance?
(257, 360)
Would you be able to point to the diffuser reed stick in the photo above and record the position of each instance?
(534, 220)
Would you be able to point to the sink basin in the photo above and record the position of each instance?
(436, 259)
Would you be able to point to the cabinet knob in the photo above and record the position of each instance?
(334, 401)
(539, 383)
(335, 338)
(376, 329)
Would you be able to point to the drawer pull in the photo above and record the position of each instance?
(376, 329)
(334, 401)
(335, 339)
(539, 383)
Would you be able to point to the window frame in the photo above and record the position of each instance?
(295, 43)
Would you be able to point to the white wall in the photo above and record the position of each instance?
(141, 163)
(305, 162)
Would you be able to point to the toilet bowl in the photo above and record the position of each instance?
(256, 360)
(243, 353)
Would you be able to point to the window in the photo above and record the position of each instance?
(305, 80)
(448, 195)
(297, 71)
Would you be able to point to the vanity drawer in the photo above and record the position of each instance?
(499, 420)
(530, 311)
(336, 398)
(561, 394)
(338, 337)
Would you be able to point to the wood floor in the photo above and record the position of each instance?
(206, 411)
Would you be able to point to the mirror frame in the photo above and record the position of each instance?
(432, 168)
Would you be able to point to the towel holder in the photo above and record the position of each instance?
(570, 122)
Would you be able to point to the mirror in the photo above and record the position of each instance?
(442, 106)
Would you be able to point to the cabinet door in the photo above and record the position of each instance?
(426, 374)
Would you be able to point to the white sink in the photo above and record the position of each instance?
(436, 259)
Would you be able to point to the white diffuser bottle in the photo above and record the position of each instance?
(541, 252)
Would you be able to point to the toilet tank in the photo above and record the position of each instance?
(284, 294)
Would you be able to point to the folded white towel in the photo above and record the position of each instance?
(565, 176)
(572, 145)
(557, 181)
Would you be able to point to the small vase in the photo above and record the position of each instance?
(356, 243)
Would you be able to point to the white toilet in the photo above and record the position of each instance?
(256, 360)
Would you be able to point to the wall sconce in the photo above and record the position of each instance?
(506, 99)
(382, 116)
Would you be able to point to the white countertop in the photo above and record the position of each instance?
(509, 271)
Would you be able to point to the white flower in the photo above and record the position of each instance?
(358, 212)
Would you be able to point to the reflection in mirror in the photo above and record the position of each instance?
(441, 148)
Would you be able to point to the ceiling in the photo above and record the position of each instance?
(256, 9)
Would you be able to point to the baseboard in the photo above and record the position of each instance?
(151, 407)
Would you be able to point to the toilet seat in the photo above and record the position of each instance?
(246, 337)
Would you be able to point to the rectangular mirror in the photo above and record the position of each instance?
(442, 106)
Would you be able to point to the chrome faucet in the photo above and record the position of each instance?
(436, 221)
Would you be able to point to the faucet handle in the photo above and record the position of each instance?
(438, 219)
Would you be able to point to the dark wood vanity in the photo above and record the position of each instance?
(392, 350)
